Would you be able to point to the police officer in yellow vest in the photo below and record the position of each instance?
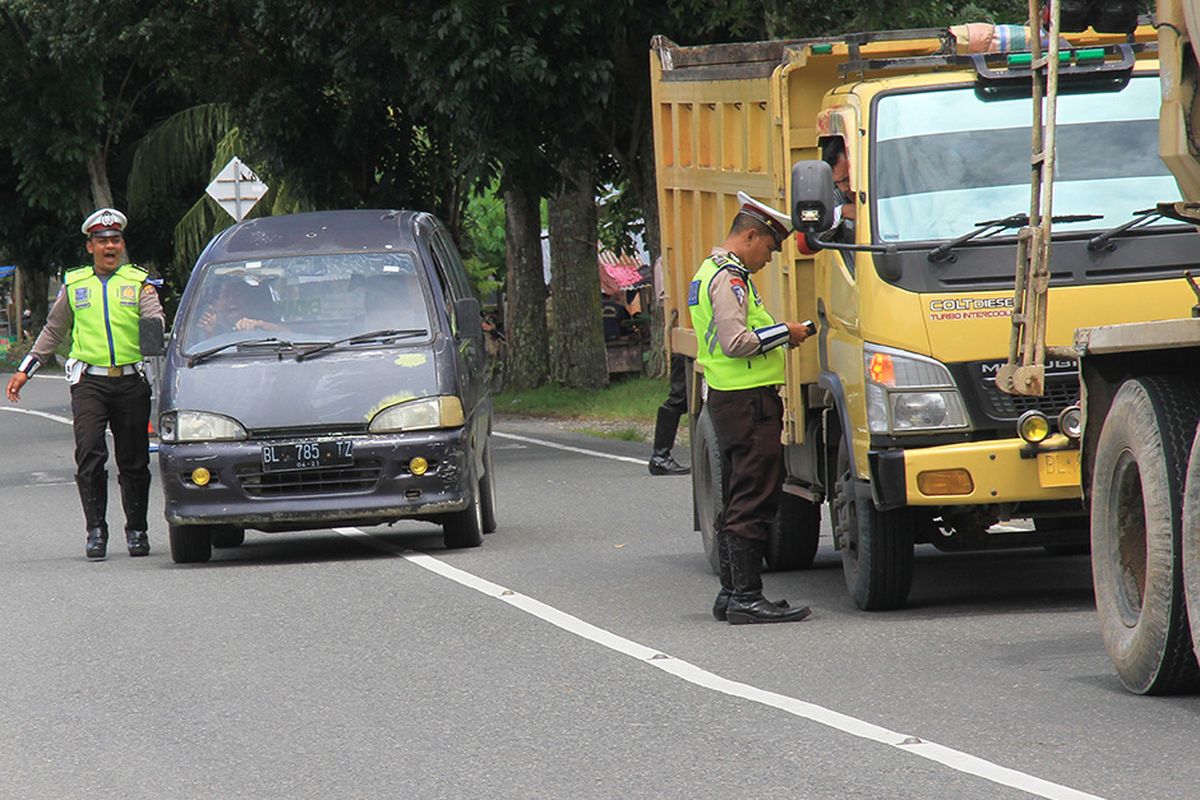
(101, 306)
(740, 347)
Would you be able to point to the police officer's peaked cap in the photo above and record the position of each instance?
(103, 223)
(779, 223)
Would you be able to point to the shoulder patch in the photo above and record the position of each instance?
(738, 287)
(720, 260)
(694, 293)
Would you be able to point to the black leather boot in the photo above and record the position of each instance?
(93, 496)
(135, 497)
(720, 607)
(662, 463)
(747, 605)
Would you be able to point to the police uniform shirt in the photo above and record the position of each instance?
(729, 290)
(61, 318)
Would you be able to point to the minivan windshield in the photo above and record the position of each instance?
(304, 299)
(946, 159)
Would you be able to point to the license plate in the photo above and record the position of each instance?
(307, 455)
(1058, 469)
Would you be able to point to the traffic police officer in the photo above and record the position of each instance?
(740, 350)
(101, 306)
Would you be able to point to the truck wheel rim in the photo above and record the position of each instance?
(1130, 515)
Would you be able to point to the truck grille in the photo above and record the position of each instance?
(359, 477)
(1061, 391)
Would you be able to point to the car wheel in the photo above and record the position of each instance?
(464, 528)
(487, 491)
(877, 546)
(706, 485)
(190, 544)
(1137, 481)
(228, 536)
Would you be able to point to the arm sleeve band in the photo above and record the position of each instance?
(29, 365)
(771, 336)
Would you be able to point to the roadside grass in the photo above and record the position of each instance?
(632, 400)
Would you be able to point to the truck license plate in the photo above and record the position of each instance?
(1058, 469)
(307, 455)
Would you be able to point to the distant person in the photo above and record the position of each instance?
(674, 407)
(101, 306)
(740, 349)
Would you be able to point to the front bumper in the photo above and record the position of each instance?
(1001, 470)
(378, 487)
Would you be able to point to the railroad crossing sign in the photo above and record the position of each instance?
(236, 189)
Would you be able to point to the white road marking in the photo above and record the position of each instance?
(907, 743)
(31, 412)
(569, 449)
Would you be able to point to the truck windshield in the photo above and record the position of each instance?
(309, 298)
(945, 159)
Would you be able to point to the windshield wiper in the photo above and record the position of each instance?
(992, 227)
(1140, 219)
(384, 335)
(196, 358)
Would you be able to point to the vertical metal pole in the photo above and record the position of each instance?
(1041, 278)
(237, 189)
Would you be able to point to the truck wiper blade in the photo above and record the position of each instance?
(993, 226)
(1140, 219)
(384, 335)
(196, 358)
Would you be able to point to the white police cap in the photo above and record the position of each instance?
(104, 222)
(779, 223)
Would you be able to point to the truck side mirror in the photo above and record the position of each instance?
(469, 316)
(151, 337)
(812, 196)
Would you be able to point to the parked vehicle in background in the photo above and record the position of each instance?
(326, 369)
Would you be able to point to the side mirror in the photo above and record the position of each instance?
(812, 196)
(469, 316)
(151, 337)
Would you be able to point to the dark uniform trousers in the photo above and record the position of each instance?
(749, 424)
(123, 404)
(676, 402)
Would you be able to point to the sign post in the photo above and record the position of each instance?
(236, 189)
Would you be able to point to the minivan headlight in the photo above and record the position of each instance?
(199, 426)
(908, 393)
(419, 415)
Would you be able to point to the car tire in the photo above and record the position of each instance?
(228, 536)
(706, 485)
(794, 535)
(464, 528)
(487, 491)
(877, 546)
(1137, 482)
(190, 544)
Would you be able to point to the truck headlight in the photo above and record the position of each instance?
(419, 415)
(907, 393)
(199, 426)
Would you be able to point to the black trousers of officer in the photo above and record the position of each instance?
(749, 423)
(122, 404)
(676, 401)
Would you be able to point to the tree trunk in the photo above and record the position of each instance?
(101, 188)
(577, 356)
(527, 360)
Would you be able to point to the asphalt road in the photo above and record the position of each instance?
(572, 656)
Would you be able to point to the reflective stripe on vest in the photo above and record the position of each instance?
(720, 371)
(105, 330)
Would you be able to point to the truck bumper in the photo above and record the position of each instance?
(1000, 471)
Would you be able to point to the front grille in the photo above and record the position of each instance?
(309, 431)
(1061, 391)
(358, 477)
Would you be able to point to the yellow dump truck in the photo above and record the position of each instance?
(892, 413)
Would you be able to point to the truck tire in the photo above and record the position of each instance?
(1137, 510)
(877, 546)
(706, 485)
(190, 544)
(1191, 540)
(487, 491)
(228, 536)
(795, 534)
